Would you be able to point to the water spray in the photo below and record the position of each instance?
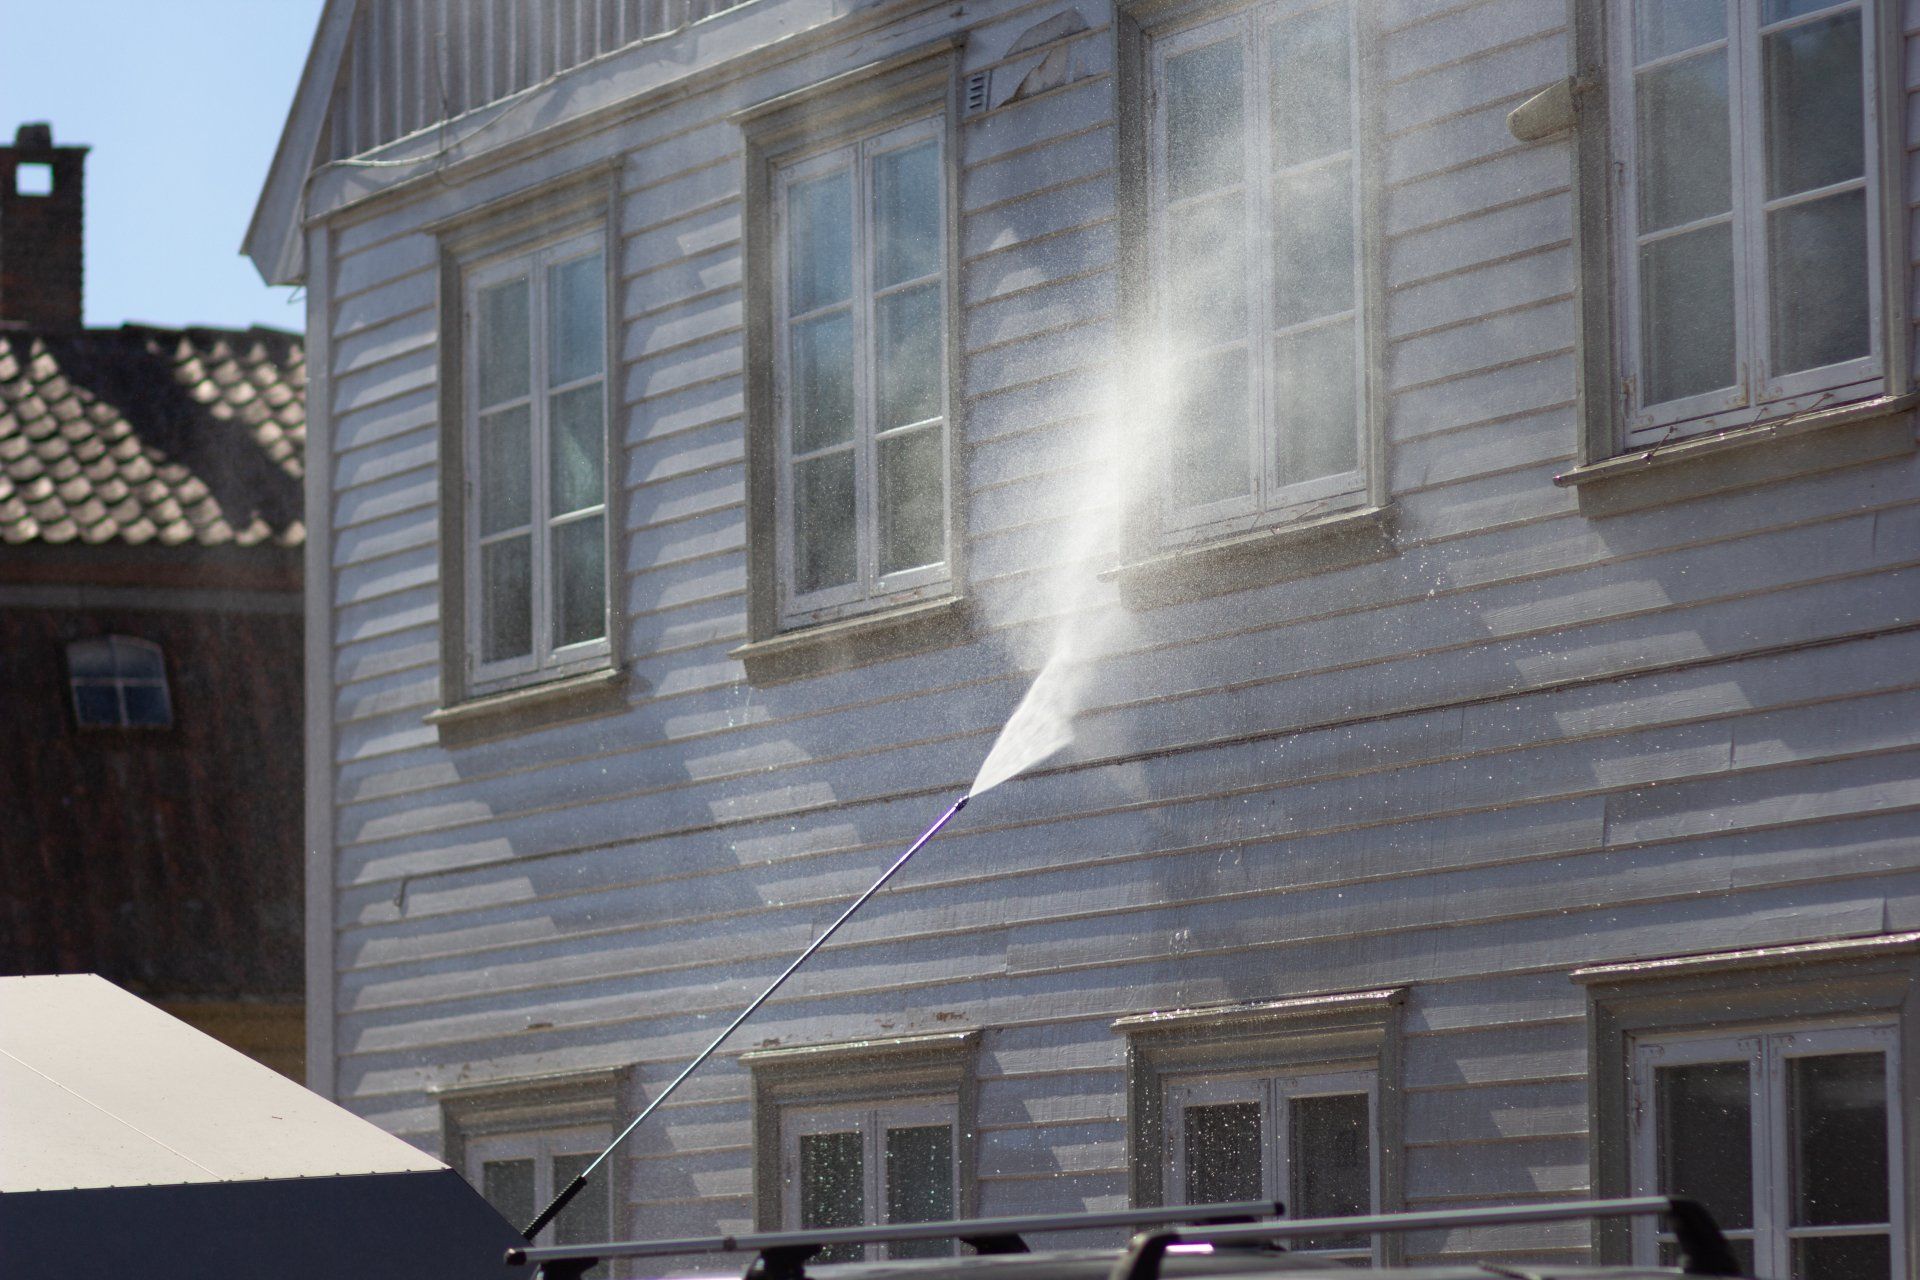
(574, 1188)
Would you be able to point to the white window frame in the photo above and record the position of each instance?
(1273, 1092)
(118, 681)
(1757, 391)
(870, 588)
(1274, 503)
(1766, 1052)
(544, 661)
(543, 1147)
(871, 1121)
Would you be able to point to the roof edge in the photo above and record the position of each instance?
(274, 241)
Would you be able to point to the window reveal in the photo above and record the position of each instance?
(1257, 213)
(860, 345)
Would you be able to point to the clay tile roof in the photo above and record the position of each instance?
(138, 434)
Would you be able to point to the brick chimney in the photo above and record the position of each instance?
(42, 208)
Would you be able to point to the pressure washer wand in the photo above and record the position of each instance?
(573, 1188)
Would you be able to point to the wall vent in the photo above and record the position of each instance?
(973, 95)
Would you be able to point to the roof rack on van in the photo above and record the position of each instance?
(783, 1255)
(1703, 1250)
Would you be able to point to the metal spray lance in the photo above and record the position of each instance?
(573, 1188)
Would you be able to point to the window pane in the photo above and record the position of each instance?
(906, 214)
(588, 1218)
(96, 705)
(502, 350)
(1780, 10)
(506, 604)
(1686, 324)
(1223, 1142)
(1313, 245)
(1211, 449)
(1705, 1138)
(1816, 133)
(136, 661)
(1837, 1129)
(506, 470)
(577, 319)
(913, 500)
(832, 1188)
(920, 1184)
(508, 1187)
(1330, 1164)
(1204, 113)
(1686, 153)
(1312, 92)
(578, 449)
(823, 539)
(580, 581)
(819, 242)
(1205, 285)
(147, 705)
(1661, 27)
(1818, 282)
(908, 356)
(1313, 379)
(90, 659)
(823, 382)
(1842, 1258)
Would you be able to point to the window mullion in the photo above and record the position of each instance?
(1771, 1176)
(1752, 345)
(865, 376)
(537, 588)
(1276, 1178)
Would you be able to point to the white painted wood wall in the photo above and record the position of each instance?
(1481, 793)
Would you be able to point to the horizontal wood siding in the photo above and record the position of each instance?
(1530, 739)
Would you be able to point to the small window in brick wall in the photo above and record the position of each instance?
(118, 682)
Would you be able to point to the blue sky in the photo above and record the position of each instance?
(182, 102)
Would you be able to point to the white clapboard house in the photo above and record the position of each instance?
(1498, 773)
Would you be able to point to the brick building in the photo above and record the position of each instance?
(150, 637)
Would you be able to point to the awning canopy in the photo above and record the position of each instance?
(132, 1145)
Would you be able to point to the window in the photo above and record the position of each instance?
(850, 368)
(1785, 1136)
(1290, 1100)
(860, 276)
(864, 1133)
(1768, 1085)
(118, 682)
(536, 449)
(1305, 1140)
(1257, 266)
(859, 1166)
(1749, 231)
(520, 1174)
(520, 1142)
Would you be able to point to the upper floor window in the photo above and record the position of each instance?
(118, 682)
(520, 1173)
(1257, 265)
(535, 443)
(1748, 252)
(859, 277)
(1304, 1139)
(1790, 1137)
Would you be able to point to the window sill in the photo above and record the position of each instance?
(855, 642)
(1836, 437)
(532, 707)
(1256, 559)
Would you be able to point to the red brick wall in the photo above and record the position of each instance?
(167, 860)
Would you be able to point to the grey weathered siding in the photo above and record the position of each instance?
(1531, 739)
